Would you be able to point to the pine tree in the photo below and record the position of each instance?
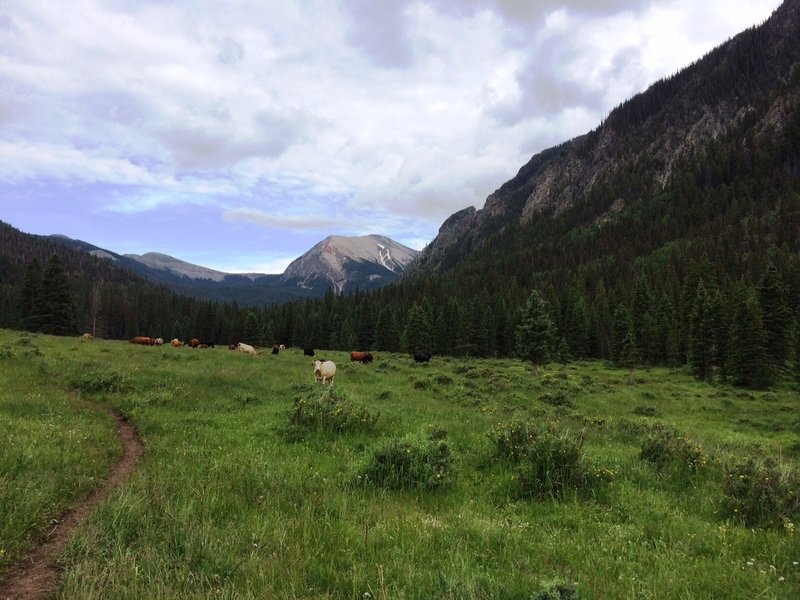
(748, 363)
(252, 328)
(387, 333)
(417, 334)
(701, 335)
(623, 329)
(58, 304)
(535, 330)
(797, 346)
(31, 308)
(772, 297)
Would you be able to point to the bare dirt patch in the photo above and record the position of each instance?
(36, 575)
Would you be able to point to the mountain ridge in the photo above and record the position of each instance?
(652, 131)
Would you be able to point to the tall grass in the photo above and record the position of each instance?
(223, 504)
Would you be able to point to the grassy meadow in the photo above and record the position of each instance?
(403, 481)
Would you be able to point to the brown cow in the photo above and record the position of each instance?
(87, 336)
(142, 340)
(362, 357)
(194, 343)
(176, 343)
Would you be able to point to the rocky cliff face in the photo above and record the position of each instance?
(348, 262)
(755, 75)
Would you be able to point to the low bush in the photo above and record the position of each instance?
(331, 413)
(512, 439)
(552, 465)
(556, 590)
(760, 493)
(414, 461)
(645, 411)
(95, 382)
(665, 448)
(557, 398)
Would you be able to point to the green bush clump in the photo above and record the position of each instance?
(665, 447)
(557, 398)
(645, 411)
(6, 351)
(556, 590)
(93, 382)
(331, 413)
(414, 461)
(552, 465)
(512, 439)
(759, 493)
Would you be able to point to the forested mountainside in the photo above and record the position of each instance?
(748, 85)
(670, 235)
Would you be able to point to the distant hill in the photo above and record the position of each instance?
(337, 262)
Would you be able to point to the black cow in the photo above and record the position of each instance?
(421, 357)
(275, 349)
(308, 352)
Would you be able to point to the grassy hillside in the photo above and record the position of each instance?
(257, 483)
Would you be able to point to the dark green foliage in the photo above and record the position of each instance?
(759, 493)
(667, 450)
(797, 349)
(748, 363)
(417, 335)
(645, 411)
(702, 336)
(330, 413)
(556, 398)
(534, 333)
(775, 315)
(30, 309)
(387, 332)
(556, 590)
(414, 461)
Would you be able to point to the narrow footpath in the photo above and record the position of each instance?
(36, 575)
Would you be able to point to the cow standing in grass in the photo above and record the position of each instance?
(324, 371)
(362, 357)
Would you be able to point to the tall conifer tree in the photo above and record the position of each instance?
(535, 330)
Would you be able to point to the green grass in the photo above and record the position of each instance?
(225, 504)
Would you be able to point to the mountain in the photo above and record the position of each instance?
(337, 262)
(346, 263)
(748, 84)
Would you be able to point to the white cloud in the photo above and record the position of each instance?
(319, 115)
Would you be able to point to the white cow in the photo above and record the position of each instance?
(242, 347)
(324, 371)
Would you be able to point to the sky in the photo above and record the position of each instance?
(238, 134)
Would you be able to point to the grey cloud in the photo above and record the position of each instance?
(230, 51)
(277, 221)
(380, 29)
(526, 10)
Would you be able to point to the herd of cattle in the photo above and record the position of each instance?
(324, 370)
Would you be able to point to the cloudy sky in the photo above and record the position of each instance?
(237, 134)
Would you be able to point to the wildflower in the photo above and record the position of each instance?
(781, 578)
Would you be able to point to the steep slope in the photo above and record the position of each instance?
(346, 263)
(750, 80)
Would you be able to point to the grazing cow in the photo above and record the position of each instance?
(324, 371)
(142, 340)
(421, 357)
(308, 352)
(231, 346)
(362, 357)
(87, 336)
(242, 347)
(203, 346)
(176, 343)
(194, 343)
(275, 349)
(281, 347)
(158, 342)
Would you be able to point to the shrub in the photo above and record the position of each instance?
(665, 447)
(443, 379)
(759, 493)
(645, 411)
(7, 351)
(556, 398)
(413, 461)
(552, 464)
(330, 413)
(556, 590)
(512, 439)
(94, 382)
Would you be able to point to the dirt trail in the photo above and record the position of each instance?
(36, 575)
